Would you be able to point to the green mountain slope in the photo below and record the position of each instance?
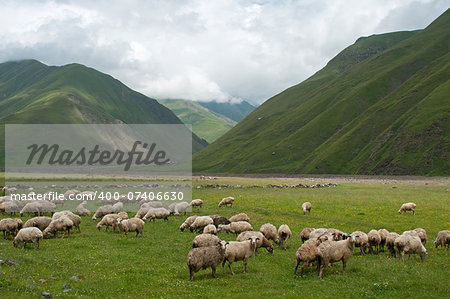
(235, 111)
(205, 123)
(381, 106)
(32, 92)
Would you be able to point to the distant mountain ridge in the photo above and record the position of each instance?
(381, 106)
(235, 111)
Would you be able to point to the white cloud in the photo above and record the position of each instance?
(201, 50)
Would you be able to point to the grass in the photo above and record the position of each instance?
(155, 266)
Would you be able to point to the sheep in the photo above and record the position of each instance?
(239, 251)
(108, 220)
(410, 206)
(361, 240)
(47, 207)
(239, 217)
(63, 223)
(131, 225)
(307, 253)
(236, 227)
(205, 257)
(330, 252)
(262, 242)
(157, 213)
(123, 215)
(10, 226)
(142, 211)
(407, 243)
(182, 207)
(81, 210)
(75, 218)
(390, 239)
(210, 229)
(442, 239)
(305, 234)
(102, 211)
(200, 223)
(374, 240)
(187, 223)
(383, 235)
(422, 235)
(39, 222)
(31, 207)
(270, 232)
(284, 233)
(226, 201)
(213, 217)
(70, 194)
(117, 207)
(220, 220)
(10, 207)
(306, 206)
(315, 233)
(151, 203)
(197, 203)
(28, 234)
(205, 240)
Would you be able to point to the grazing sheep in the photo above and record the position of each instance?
(187, 223)
(10, 226)
(213, 217)
(26, 235)
(270, 232)
(75, 218)
(63, 224)
(142, 211)
(409, 244)
(226, 201)
(102, 211)
(117, 207)
(157, 213)
(108, 220)
(307, 253)
(81, 210)
(197, 203)
(220, 220)
(239, 251)
(239, 217)
(422, 235)
(39, 222)
(182, 207)
(374, 240)
(123, 215)
(131, 225)
(10, 207)
(315, 233)
(210, 229)
(205, 240)
(151, 203)
(200, 222)
(383, 235)
(284, 233)
(31, 207)
(361, 240)
(410, 206)
(205, 257)
(262, 242)
(70, 194)
(305, 234)
(236, 227)
(443, 239)
(330, 252)
(390, 239)
(306, 206)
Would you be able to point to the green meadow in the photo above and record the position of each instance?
(110, 265)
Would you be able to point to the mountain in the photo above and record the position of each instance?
(205, 123)
(381, 106)
(34, 93)
(235, 111)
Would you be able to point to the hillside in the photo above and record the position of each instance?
(34, 93)
(235, 111)
(381, 106)
(205, 123)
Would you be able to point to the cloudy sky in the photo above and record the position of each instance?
(201, 50)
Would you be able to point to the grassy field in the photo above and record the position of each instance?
(111, 265)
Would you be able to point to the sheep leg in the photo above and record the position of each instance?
(231, 268)
(245, 267)
(296, 266)
(321, 270)
(137, 233)
(191, 273)
(213, 271)
(305, 264)
(223, 266)
(343, 265)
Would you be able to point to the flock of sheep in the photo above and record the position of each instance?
(324, 246)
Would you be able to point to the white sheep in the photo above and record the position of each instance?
(26, 235)
(205, 257)
(131, 225)
(10, 226)
(409, 244)
(383, 235)
(63, 224)
(187, 223)
(76, 220)
(40, 222)
(239, 217)
(330, 252)
(31, 207)
(442, 239)
(239, 251)
(82, 210)
(108, 220)
(410, 206)
(182, 207)
(361, 240)
(70, 194)
(305, 234)
(10, 206)
(306, 206)
(102, 211)
(197, 203)
(284, 233)
(236, 227)
(210, 229)
(200, 222)
(270, 232)
(317, 232)
(307, 253)
(117, 207)
(205, 240)
(142, 211)
(390, 240)
(157, 213)
(374, 240)
(226, 201)
(422, 235)
(262, 240)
